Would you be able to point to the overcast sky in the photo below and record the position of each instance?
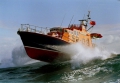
(49, 13)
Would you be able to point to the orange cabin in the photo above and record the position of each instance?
(72, 34)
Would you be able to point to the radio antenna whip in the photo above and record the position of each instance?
(62, 20)
(71, 20)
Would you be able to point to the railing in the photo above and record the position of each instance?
(35, 29)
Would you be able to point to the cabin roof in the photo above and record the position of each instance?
(56, 28)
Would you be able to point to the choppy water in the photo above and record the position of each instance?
(97, 71)
(87, 66)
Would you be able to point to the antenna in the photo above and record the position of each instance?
(62, 20)
(71, 20)
(88, 18)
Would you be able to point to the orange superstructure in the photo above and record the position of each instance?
(77, 33)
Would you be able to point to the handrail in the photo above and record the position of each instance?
(32, 28)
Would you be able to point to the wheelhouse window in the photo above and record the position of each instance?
(56, 29)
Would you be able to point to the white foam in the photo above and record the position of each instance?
(19, 56)
(82, 55)
(13, 54)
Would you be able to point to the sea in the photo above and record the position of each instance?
(96, 65)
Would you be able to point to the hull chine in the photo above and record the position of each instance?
(45, 55)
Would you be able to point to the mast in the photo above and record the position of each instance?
(85, 21)
(88, 18)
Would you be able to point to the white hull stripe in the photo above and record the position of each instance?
(40, 48)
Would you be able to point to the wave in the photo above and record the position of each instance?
(18, 58)
(79, 55)
(82, 55)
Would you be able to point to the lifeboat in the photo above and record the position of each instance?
(38, 41)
